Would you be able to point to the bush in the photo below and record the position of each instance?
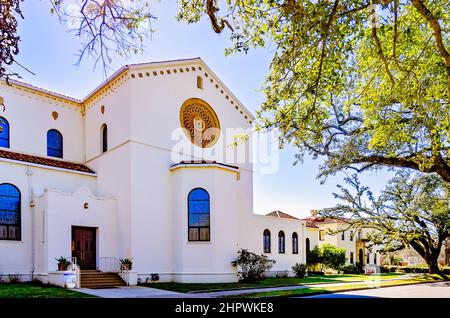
(252, 266)
(313, 258)
(333, 257)
(299, 270)
(350, 269)
(359, 266)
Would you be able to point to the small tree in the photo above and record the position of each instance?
(333, 257)
(313, 258)
(299, 270)
(252, 266)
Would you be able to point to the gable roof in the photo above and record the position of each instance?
(43, 161)
(282, 215)
(135, 67)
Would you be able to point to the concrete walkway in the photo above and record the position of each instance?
(132, 292)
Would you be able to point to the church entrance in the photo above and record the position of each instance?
(84, 246)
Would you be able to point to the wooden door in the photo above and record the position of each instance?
(84, 246)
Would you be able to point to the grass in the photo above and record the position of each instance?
(347, 287)
(29, 290)
(272, 282)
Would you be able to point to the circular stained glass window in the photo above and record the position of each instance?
(199, 122)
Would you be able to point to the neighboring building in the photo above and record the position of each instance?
(95, 179)
(337, 233)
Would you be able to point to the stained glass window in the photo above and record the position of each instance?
(198, 215)
(9, 212)
(54, 144)
(4, 133)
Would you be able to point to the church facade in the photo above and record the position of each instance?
(141, 168)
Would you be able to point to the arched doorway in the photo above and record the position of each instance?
(360, 256)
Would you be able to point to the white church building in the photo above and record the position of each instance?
(141, 168)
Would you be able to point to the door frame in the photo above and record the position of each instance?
(95, 232)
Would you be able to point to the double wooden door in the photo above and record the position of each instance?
(84, 246)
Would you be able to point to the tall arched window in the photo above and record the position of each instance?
(9, 212)
(266, 241)
(54, 143)
(308, 246)
(294, 243)
(360, 257)
(104, 136)
(375, 258)
(198, 215)
(351, 257)
(368, 258)
(4, 133)
(281, 242)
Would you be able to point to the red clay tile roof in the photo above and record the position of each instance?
(321, 220)
(282, 215)
(310, 224)
(44, 161)
(202, 162)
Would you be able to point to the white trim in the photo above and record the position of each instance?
(204, 165)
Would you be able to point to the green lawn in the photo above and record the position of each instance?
(423, 278)
(27, 290)
(273, 282)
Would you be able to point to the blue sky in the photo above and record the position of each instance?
(50, 52)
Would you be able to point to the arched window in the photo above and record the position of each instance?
(4, 133)
(9, 212)
(281, 242)
(351, 257)
(54, 143)
(375, 258)
(104, 136)
(294, 243)
(199, 82)
(368, 258)
(360, 256)
(308, 246)
(266, 241)
(343, 236)
(198, 215)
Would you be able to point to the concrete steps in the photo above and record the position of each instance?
(97, 279)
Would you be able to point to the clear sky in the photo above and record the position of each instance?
(49, 51)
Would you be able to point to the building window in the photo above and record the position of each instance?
(294, 243)
(343, 235)
(308, 246)
(9, 212)
(351, 257)
(4, 133)
(281, 242)
(351, 235)
(368, 258)
(322, 235)
(104, 134)
(375, 258)
(54, 143)
(199, 82)
(266, 241)
(360, 257)
(198, 215)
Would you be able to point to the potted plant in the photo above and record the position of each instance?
(62, 263)
(127, 263)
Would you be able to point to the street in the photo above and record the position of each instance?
(431, 290)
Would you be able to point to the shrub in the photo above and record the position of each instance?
(313, 258)
(299, 270)
(359, 266)
(350, 269)
(333, 257)
(252, 266)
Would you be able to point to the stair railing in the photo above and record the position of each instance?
(113, 265)
(75, 270)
